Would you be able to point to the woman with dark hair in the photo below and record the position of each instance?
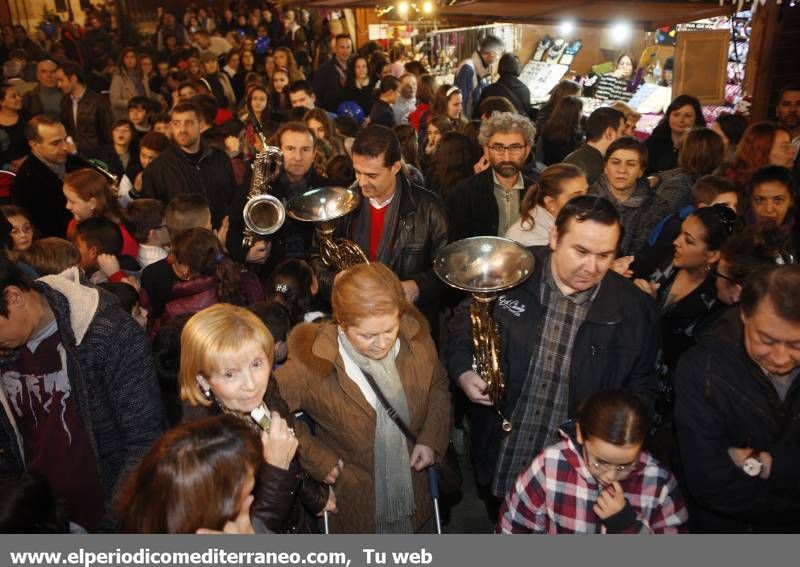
(561, 134)
(763, 143)
(597, 478)
(685, 290)
(614, 85)
(731, 128)
(700, 154)
(540, 206)
(358, 85)
(279, 91)
(258, 109)
(198, 477)
(683, 114)
(437, 127)
(13, 144)
(426, 91)
(22, 230)
(409, 149)
(321, 124)
(206, 275)
(226, 368)
(377, 341)
(457, 156)
(769, 201)
(561, 90)
(285, 59)
(447, 102)
(126, 83)
(293, 284)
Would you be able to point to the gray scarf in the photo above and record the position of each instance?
(394, 493)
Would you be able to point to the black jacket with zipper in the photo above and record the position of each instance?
(472, 208)
(614, 348)
(172, 174)
(723, 400)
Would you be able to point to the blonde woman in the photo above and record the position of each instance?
(226, 362)
(380, 479)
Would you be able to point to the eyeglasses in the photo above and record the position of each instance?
(714, 271)
(605, 467)
(513, 149)
(25, 229)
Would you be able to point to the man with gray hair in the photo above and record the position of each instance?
(487, 203)
(46, 97)
(474, 73)
(12, 74)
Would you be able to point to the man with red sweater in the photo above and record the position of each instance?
(398, 223)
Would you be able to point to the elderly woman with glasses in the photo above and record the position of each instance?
(597, 478)
(377, 342)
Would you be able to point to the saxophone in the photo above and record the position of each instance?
(263, 213)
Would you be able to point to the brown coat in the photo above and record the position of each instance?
(314, 380)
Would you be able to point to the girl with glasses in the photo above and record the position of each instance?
(597, 478)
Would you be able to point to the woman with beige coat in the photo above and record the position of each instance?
(379, 476)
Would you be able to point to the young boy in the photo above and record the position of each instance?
(99, 241)
(139, 110)
(145, 220)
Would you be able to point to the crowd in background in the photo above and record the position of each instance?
(164, 370)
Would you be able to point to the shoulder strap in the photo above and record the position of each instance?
(389, 409)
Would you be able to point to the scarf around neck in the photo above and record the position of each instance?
(394, 493)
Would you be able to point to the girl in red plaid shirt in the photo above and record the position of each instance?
(597, 479)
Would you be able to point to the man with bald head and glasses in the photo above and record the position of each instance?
(487, 203)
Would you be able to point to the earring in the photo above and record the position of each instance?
(205, 390)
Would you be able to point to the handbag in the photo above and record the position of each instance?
(447, 468)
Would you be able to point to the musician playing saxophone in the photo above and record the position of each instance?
(297, 176)
(398, 223)
(573, 328)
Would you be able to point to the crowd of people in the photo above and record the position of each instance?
(164, 370)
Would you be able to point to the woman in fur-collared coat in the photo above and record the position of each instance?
(378, 474)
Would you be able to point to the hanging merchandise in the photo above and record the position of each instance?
(542, 47)
(555, 52)
(570, 52)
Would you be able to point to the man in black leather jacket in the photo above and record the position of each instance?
(413, 227)
(613, 346)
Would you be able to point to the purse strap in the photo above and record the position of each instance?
(389, 409)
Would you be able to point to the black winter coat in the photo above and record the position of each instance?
(283, 499)
(93, 130)
(328, 89)
(511, 88)
(615, 348)
(724, 400)
(472, 208)
(38, 190)
(172, 174)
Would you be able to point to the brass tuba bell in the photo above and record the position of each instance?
(323, 207)
(484, 266)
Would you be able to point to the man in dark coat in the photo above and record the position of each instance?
(397, 223)
(190, 166)
(297, 175)
(509, 86)
(37, 186)
(737, 413)
(573, 328)
(329, 79)
(81, 403)
(85, 114)
(487, 203)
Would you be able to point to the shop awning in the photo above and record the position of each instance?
(647, 14)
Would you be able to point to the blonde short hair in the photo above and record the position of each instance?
(212, 335)
(365, 290)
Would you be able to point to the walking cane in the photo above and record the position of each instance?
(325, 522)
(433, 486)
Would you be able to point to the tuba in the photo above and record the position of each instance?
(324, 206)
(484, 266)
(97, 165)
(263, 213)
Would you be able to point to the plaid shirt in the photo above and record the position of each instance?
(557, 492)
(544, 400)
